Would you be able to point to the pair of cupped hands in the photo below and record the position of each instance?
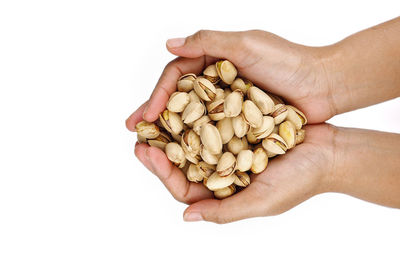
(301, 75)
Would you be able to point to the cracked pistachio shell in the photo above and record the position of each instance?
(252, 139)
(265, 129)
(226, 71)
(216, 110)
(240, 127)
(141, 139)
(277, 100)
(225, 129)
(225, 192)
(235, 145)
(279, 113)
(190, 143)
(193, 97)
(204, 89)
(178, 101)
(211, 74)
(300, 135)
(215, 182)
(211, 139)
(226, 164)
(193, 112)
(192, 158)
(241, 84)
(147, 130)
(244, 160)
(287, 131)
(233, 104)
(208, 157)
(200, 122)
(171, 121)
(193, 174)
(176, 137)
(261, 99)
(205, 169)
(242, 179)
(175, 154)
(270, 154)
(160, 141)
(252, 114)
(296, 117)
(260, 160)
(220, 94)
(185, 82)
(275, 144)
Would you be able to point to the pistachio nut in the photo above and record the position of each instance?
(141, 139)
(240, 127)
(235, 145)
(279, 113)
(225, 192)
(204, 89)
(193, 174)
(296, 117)
(244, 160)
(185, 82)
(226, 71)
(242, 179)
(226, 164)
(287, 131)
(177, 137)
(277, 100)
(241, 84)
(265, 129)
(227, 91)
(300, 135)
(216, 110)
(211, 139)
(252, 139)
(252, 114)
(200, 122)
(205, 169)
(208, 157)
(261, 99)
(190, 143)
(215, 182)
(175, 154)
(270, 154)
(171, 121)
(178, 101)
(160, 141)
(260, 160)
(225, 129)
(276, 129)
(233, 104)
(147, 130)
(193, 112)
(211, 74)
(220, 94)
(275, 144)
(193, 97)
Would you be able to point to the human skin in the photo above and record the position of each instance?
(361, 70)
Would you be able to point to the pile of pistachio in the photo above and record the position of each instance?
(218, 128)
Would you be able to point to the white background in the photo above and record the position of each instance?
(72, 192)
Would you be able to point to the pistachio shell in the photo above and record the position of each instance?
(300, 135)
(185, 82)
(227, 92)
(215, 182)
(240, 127)
(141, 139)
(204, 89)
(244, 160)
(279, 113)
(216, 110)
(211, 74)
(225, 192)
(175, 154)
(208, 157)
(178, 101)
(242, 179)
(226, 71)
(171, 121)
(211, 139)
(226, 164)
(225, 129)
(235, 145)
(265, 129)
(260, 160)
(296, 117)
(147, 129)
(233, 104)
(275, 144)
(205, 169)
(193, 97)
(287, 131)
(277, 100)
(193, 112)
(193, 174)
(241, 84)
(220, 94)
(160, 141)
(261, 99)
(252, 139)
(190, 143)
(200, 122)
(252, 114)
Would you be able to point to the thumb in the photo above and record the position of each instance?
(211, 43)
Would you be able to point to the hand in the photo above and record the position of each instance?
(288, 180)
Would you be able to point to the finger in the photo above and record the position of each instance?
(174, 179)
(167, 83)
(135, 117)
(140, 152)
(217, 44)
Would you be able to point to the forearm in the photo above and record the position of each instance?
(365, 67)
(367, 165)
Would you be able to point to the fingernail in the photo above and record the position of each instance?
(175, 42)
(192, 217)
